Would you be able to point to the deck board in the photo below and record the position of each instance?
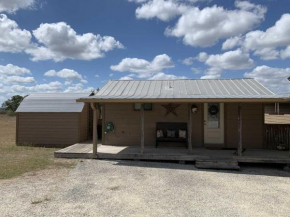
(85, 150)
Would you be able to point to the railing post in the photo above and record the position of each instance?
(142, 128)
(189, 129)
(240, 124)
(95, 128)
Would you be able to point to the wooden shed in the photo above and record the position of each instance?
(52, 120)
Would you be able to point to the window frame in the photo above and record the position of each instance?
(134, 106)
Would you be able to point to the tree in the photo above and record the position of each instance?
(13, 103)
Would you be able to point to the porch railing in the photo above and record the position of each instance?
(277, 134)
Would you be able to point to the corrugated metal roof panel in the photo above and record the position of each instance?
(184, 89)
(52, 102)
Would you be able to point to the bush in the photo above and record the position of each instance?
(10, 113)
(2, 112)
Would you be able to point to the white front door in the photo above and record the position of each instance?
(214, 124)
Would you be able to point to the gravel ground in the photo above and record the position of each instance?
(136, 188)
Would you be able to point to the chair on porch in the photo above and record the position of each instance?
(171, 132)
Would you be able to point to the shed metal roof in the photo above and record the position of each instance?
(184, 89)
(52, 102)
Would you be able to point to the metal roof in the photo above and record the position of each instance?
(184, 89)
(52, 102)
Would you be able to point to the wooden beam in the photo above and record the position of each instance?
(207, 100)
(17, 128)
(95, 128)
(240, 124)
(103, 123)
(142, 128)
(189, 129)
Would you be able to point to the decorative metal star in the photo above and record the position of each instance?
(171, 108)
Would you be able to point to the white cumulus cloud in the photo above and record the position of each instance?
(164, 10)
(11, 6)
(12, 38)
(205, 27)
(18, 79)
(144, 68)
(11, 69)
(273, 78)
(126, 78)
(163, 76)
(68, 74)
(79, 88)
(231, 60)
(54, 41)
(265, 44)
(59, 42)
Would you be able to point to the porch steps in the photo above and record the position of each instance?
(217, 164)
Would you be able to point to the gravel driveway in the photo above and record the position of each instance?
(132, 188)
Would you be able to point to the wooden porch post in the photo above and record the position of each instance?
(240, 124)
(95, 128)
(189, 129)
(142, 128)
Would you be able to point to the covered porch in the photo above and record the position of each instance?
(85, 150)
(224, 119)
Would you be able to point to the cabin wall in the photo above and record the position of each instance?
(252, 125)
(272, 117)
(47, 129)
(127, 123)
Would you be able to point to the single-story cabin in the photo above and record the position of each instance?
(199, 113)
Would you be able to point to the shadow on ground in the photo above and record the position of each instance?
(246, 168)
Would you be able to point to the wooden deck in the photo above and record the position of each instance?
(85, 150)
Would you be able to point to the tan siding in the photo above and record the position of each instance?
(48, 128)
(197, 126)
(128, 123)
(84, 123)
(252, 119)
(158, 115)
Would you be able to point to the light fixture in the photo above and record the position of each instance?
(194, 109)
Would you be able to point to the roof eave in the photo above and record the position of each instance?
(188, 100)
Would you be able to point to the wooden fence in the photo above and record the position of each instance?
(276, 134)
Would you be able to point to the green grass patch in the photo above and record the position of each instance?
(17, 160)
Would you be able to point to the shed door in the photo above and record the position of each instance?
(214, 124)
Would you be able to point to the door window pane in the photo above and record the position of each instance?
(213, 115)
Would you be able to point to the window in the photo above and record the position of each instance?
(147, 106)
(137, 106)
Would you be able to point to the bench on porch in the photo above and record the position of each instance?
(164, 127)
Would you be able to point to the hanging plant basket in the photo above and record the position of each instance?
(213, 110)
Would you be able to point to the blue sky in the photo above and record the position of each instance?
(74, 45)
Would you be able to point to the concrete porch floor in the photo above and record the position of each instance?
(85, 149)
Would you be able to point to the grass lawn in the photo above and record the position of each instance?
(16, 160)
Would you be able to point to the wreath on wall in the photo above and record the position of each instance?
(213, 110)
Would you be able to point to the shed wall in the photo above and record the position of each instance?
(50, 129)
(84, 123)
